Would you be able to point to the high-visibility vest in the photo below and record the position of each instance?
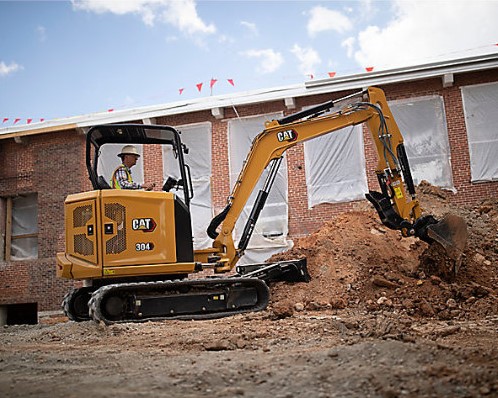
(115, 181)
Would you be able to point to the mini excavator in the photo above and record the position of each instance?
(133, 249)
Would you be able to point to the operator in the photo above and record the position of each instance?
(121, 178)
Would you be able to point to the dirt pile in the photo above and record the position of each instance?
(356, 262)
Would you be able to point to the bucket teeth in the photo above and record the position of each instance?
(451, 233)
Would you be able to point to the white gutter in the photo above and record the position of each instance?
(410, 73)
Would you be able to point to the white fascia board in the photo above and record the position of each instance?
(406, 74)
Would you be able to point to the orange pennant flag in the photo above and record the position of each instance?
(331, 74)
(199, 86)
(369, 68)
(231, 82)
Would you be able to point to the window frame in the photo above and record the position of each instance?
(9, 236)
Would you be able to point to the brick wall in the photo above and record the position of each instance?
(53, 166)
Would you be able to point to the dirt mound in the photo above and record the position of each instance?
(356, 262)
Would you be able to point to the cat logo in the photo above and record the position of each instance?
(143, 224)
(287, 135)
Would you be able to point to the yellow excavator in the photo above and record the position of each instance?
(133, 249)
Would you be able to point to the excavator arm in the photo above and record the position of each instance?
(396, 204)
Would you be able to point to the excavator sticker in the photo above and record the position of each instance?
(287, 135)
(140, 247)
(143, 224)
(397, 190)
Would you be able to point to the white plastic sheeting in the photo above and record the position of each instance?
(422, 122)
(24, 222)
(197, 137)
(109, 160)
(271, 230)
(335, 167)
(481, 118)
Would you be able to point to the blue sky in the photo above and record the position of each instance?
(63, 58)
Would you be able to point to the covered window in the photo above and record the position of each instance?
(20, 227)
(197, 138)
(335, 167)
(271, 230)
(480, 104)
(422, 122)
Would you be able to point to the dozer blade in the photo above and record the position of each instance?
(281, 271)
(451, 233)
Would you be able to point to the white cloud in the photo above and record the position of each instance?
(224, 39)
(308, 59)
(141, 7)
(270, 59)
(428, 31)
(182, 14)
(251, 27)
(323, 19)
(41, 33)
(348, 44)
(367, 10)
(6, 70)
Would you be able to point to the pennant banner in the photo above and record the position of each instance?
(19, 120)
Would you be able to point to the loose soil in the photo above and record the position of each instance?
(372, 322)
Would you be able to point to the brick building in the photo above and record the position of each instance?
(41, 163)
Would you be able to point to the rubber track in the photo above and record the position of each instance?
(141, 287)
(66, 307)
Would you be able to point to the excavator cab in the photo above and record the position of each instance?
(98, 136)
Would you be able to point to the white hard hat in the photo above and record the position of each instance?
(129, 150)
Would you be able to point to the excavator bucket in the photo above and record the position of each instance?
(451, 234)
